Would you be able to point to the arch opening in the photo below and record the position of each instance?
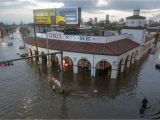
(67, 64)
(103, 68)
(84, 67)
(44, 58)
(54, 62)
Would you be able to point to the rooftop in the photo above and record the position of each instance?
(136, 17)
(112, 48)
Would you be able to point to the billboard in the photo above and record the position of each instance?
(42, 20)
(67, 15)
(44, 16)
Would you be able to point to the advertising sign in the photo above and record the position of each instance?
(44, 16)
(42, 20)
(67, 16)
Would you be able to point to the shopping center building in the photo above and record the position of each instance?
(96, 55)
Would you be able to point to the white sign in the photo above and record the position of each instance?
(61, 36)
(55, 35)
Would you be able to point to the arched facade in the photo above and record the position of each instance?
(90, 64)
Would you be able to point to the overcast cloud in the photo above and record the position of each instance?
(17, 10)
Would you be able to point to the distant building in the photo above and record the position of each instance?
(95, 20)
(107, 18)
(150, 22)
(91, 20)
(82, 20)
(135, 26)
(136, 20)
(121, 21)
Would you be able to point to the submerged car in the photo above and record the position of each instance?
(157, 65)
(21, 47)
(10, 44)
(23, 55)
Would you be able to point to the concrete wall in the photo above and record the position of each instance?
(135, 22)
(138, 35)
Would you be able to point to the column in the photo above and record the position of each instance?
(128, 66)
(132, 60)
(75, 69)
(122, 67)
(93, 72)
(114, 73)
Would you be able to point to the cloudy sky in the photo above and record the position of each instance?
(17, 10)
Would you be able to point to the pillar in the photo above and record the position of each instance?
(122, 67)
(114, 73)
(128, 66)
(60, 62)
(132, 60)
(93, 72)
(128, 63)
(75, 69)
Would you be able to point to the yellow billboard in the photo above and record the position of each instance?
(42, 20)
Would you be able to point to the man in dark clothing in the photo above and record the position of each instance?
(144, 103)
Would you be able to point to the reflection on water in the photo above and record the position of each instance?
(25, 91)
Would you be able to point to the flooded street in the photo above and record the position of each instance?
(26, 93)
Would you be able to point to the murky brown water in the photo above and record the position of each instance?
(25, 91)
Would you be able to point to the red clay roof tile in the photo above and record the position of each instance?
(113, 48)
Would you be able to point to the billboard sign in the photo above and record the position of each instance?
(44, 16)
(67, 16)
(42, 20)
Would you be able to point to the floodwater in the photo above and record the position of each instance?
(26, 93)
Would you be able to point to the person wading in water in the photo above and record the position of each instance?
(144, 105)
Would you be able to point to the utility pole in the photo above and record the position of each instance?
(22, 33)
(35, 38)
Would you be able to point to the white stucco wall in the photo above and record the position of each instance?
(135, 22)
(138, 34)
